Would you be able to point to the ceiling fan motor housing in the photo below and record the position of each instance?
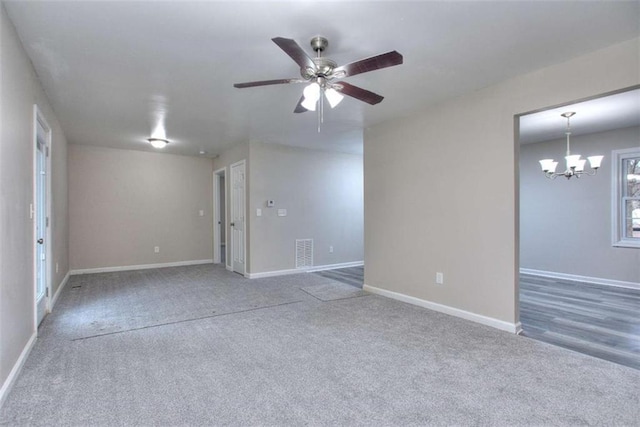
(324, 66)
(319, 43)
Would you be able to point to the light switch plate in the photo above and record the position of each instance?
(282, 212)
(258, 212)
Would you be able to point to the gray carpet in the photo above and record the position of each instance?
(201, 346)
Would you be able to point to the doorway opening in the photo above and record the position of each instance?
(577, 288)
(220, 223)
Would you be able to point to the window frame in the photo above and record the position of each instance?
(618, 183)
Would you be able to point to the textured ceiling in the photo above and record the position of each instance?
(112, 69)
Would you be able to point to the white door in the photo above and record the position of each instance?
(41, 219)
(219, 215)
(238, 217)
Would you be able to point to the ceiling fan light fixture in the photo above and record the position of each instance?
(309, 104)
(312, 92)
(158, 142)
(333, 96)
(311, 95)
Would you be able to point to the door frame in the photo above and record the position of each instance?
(38, 118)
(244, 232)
(217, 174)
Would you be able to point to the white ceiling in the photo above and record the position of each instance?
(596, 115)
(110, 67)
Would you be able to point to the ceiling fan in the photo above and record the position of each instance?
(323, 74)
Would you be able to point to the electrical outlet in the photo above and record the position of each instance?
(156, 249)
(201, 212)
(439, 278)
(330, 249)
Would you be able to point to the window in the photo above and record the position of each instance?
(626, 198)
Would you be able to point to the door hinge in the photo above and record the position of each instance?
(47, 151)
(46, 292)
(47, 221)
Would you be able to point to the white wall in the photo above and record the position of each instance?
(447, 179)
(565, 226)
(123, 203)
(20, 89)
(322, 192)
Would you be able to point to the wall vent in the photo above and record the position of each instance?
(304, 253)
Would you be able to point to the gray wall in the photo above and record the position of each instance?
(447, 180)
(19, 90)
(122, 203)
(565, 226)
(323, 194)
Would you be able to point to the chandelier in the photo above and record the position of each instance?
(575, 165)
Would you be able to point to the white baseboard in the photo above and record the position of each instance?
(514, 328)
(303, 270)
(577, 278)
(17, 367)
(139, 267)
(59, 291)
(334, 266)
(518, 328)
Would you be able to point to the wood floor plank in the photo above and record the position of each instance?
(599, 320)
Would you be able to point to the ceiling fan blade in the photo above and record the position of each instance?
(296, 53)
(358, 93)
(373, 63)
(299, 107)
(268, 82)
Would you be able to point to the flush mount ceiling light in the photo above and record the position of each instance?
(575, 165)
(320, 73)
(158, 142)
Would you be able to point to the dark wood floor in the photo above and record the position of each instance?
(601, 321)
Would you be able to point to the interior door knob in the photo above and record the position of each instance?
(233, 224)
(41, 241)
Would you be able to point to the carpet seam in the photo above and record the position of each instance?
(333, 299)
(184, 321)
